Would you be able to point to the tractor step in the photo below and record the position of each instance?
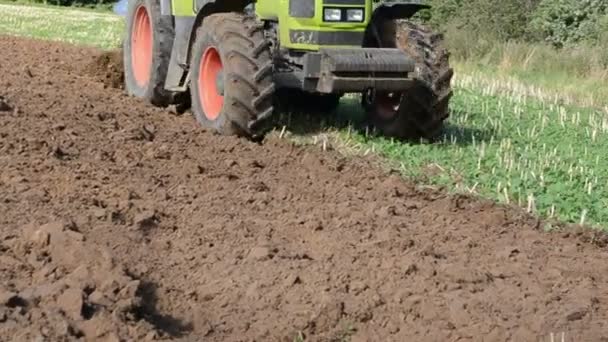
(355, 70)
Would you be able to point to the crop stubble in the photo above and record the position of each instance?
(124, 221)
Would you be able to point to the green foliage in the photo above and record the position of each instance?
(563, 22)
(501, 144)
(502, 19)
(558, 22)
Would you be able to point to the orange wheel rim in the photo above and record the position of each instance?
(141, 46)
(210, 76)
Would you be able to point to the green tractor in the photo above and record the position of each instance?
(233, 61)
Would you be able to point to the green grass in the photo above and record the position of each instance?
(556, 86)
(577, 74)
(105, 8)
(66, 24)
(511, 137)
(543, 156)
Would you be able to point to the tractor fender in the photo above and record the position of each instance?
(199, 4)
(399, 9)
(204, 8)
(185, 34)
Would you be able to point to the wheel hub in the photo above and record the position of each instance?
(211, 83)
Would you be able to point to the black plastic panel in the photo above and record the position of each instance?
(355, 70)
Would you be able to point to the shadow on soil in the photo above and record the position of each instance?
(148, 312)
(350, 114)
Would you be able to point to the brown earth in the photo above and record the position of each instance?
(107, 67)
(124, 222)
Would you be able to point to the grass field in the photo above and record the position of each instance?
(77, 26)
(508, 139)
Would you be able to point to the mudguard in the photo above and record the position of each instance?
(220, 5)
(203, 8)
(185, 33)
(202, 3)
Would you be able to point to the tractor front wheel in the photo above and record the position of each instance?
(231, 75)
(420, 111)
(147, 50)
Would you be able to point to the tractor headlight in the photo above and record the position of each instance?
(354, 15)
(332, 14)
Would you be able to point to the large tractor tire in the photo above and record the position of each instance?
(147, 50)
(419, 112)
(232, 87)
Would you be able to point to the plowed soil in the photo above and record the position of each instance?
(121, 222)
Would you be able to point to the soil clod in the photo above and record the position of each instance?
(4, 106)
(107, 67)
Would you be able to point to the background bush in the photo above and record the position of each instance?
(503, 19)
(563, 22)
(558, 22)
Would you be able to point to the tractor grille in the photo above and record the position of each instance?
(302, 8)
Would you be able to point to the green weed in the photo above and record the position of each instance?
(541, 155)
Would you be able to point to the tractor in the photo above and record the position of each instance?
(234, 61)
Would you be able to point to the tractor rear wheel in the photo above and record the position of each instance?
(147, 51)
(231, 76)
(420, 111)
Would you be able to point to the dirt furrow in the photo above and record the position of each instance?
(121, 221)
